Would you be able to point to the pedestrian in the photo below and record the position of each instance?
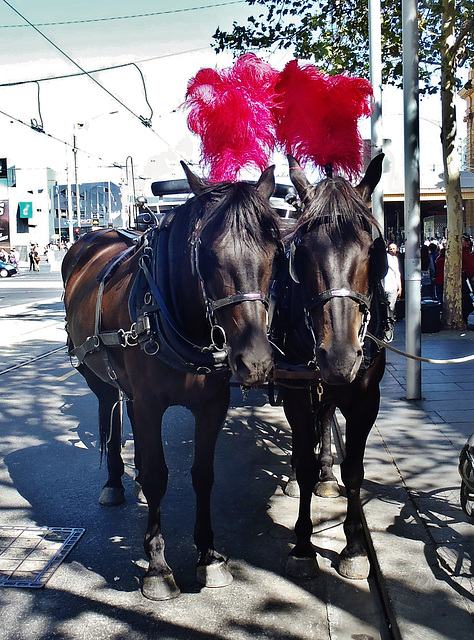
(34, 259)
(392, 283)
(433, 250)
(439, 274)
(15, 256)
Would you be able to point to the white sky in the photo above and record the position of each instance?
(169, 47)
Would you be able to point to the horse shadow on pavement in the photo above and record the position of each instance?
(61, 480)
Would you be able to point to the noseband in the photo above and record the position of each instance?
(320, 299)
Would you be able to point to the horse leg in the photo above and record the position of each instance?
(302, 562)
(353, 561)
(110, 428)
(327, 486)
(291, 489)
(136, 458)
(158, 582)
(211, 566)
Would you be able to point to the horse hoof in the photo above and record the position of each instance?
(111, 496)
(160, 587)
(327, 489)
(292, 489)
(140, 496)
(215, 574)
(355, 568)
(302, 568)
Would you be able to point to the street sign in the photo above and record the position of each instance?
(26, 209)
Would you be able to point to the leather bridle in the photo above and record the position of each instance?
(320, 299)
(363, 300)
(213, 305)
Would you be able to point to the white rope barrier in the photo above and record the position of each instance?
(385, 345)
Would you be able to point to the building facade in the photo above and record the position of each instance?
(99, 205)
(36, 210)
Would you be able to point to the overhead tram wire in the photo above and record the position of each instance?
(55, 138)
(139, 15)
(110, 68)
(141, 119)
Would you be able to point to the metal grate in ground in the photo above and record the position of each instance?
(30, 555)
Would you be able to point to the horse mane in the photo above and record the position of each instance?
(338, 205)
(227, 207)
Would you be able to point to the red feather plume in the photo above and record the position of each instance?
(317, 114)
(232, 112)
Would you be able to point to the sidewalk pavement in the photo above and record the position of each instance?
(423, 541)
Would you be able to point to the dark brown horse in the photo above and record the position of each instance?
(331, 296)
(165, 319)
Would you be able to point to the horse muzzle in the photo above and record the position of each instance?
(252, 364)
(339, 365)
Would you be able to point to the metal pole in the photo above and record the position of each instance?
(375, 62)
(56, 191)
(132, 208)
(78, 199)
(412, 196)
(69, 198)
(109, 204)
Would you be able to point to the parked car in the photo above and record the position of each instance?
(7, 269)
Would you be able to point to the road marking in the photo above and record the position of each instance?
(66, 375)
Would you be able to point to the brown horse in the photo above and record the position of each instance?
(166, 319)
(331, 296)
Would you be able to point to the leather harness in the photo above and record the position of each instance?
(153, 325)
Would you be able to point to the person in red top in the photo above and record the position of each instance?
(468, 276)
(467, 279)
(467, 256)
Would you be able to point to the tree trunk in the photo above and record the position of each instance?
(452, 308)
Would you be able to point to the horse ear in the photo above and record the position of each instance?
(301, 183)
(371, 178)
(266, 183)
(378, 259)
(196, 184)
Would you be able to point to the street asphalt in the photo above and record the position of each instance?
(50, 476)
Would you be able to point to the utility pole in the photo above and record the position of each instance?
(412, 196)
(375, 62)
(69, 205)
(78, 199)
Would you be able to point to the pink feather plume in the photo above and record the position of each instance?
(232, 111)
(317, 116)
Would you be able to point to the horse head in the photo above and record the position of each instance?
(337, 263)
(236, 239)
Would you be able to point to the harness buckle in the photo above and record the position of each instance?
(218, 338)
(320, 391)
(151, 347)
